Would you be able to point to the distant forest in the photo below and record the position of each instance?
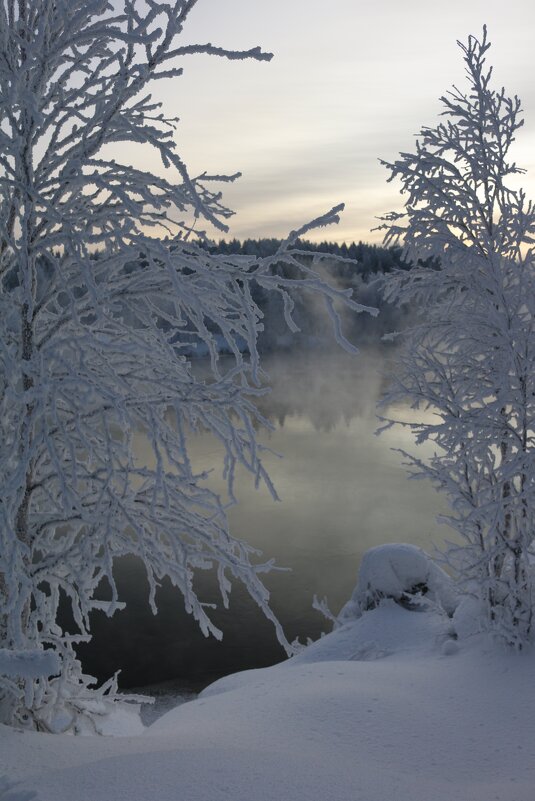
(372, 259)
(358, 266)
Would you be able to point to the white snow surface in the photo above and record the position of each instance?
(386, 708)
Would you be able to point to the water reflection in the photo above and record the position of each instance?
(342, 491)
(325, 390)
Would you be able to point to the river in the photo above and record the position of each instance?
(342, 489)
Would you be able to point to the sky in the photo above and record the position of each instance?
(350, 82)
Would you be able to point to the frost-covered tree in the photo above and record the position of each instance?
(468, 363)
(103, 293)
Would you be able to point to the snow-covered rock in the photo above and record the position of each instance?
(403, 572)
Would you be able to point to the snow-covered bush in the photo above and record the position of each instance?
(102, 289)
(405, 573)
(468, 364)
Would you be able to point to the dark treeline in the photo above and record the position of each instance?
(357, 266)
(371, 259)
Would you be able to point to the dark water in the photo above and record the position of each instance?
(343, 491)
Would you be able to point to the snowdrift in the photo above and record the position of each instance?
(388, 706)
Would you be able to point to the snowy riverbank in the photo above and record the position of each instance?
(386, 707)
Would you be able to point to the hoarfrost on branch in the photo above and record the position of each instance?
(104, 286)
(468, 362)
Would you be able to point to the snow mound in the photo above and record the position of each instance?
(404, 573)
(340, 722)
(386, 631)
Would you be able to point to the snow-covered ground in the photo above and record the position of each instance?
(386, 708)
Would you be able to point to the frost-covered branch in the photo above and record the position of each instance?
(104, 293)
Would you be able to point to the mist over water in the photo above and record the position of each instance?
(342, 490)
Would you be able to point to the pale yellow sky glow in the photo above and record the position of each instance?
(350, 82)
